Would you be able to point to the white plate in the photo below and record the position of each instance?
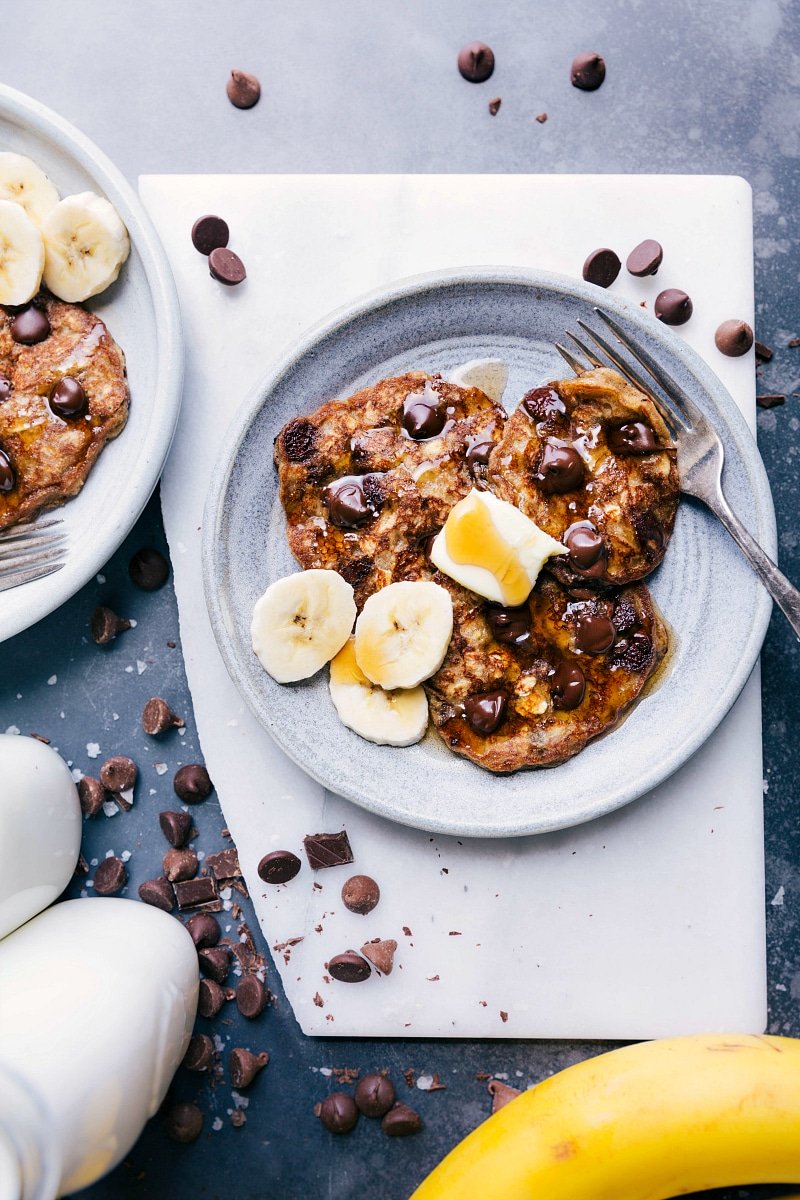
(142, 314)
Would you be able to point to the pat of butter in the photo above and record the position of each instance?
(490, 547)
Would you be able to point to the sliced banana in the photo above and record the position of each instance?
(397, 718)
(85, 246)
(300, 622)
(488, 374)
(21, 255)
(22, 182)
(403, 633)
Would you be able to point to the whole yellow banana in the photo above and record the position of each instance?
(646, 1122)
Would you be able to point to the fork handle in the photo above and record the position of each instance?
(784, 593)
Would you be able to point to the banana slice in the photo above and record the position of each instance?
(22, 182)
(488, 374)
(301, 622)
(397, 718)
(85, 246)
(21, 255)
(403, 633)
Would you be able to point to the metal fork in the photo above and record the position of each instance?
(29, 552)
(700, 451)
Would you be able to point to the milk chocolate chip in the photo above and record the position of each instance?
(476, 62)
(349, 967)
(148, 569)
(645, 259)
(374, 1095)
(110, 877)
(588, 71)
(337, 1112)
(184, 1123)
(226, 267)
(401, 1121)
(279, 866)
(209, 233)
(673, 307)
(734, 338)
(243, 89)
(105, 625)
(360, 894)
(192, 784)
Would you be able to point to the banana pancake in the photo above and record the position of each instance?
(63, 395)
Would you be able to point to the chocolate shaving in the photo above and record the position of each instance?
(410, 1076)
(320, 1003)
(327, 850)
(541, 118)
(501, 1094)
(773, 400)
(503, 1016)
(763, 352)
(792, 343)
(224, 865)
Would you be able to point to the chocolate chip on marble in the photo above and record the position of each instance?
(158, 892)
(204, 930)
(673, 307)
(91, 794)
(192, 784)
(327, 850)
(210, 998)
(176, 827)
(184, 1123)
(588, 71)
(243, 1066)
(158, 717)
(374, 1095)
(179, 865)
(337, 1112)
(30, 326)
(541, 118)
(380, 953)
(199, 1054)
(602, 267)
(215, 962)
(209, 233)
(279, 866)
(110, 877)
(360, 894)
(118, 774)
(243, 89)
(733, 338)
(349, 967)
(105, 625)
(645, 259)
(476, 62)
(251, 997)
(148, 569)
(494, 106)
(400, 1121)
(226, 267)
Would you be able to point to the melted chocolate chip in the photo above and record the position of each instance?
(424, 414)
(542, 403)
(512, 626)
(560, 469)
(588, 71)
(485, 712)
(357, 572)
(8, 476)
(673, 307)
(633, 653)
(587, 550)
(634, 437)
(298, 440)
(567, 686)
(351, 501)
(30, 326)
(594, 633)
(476, 62)
(5, 388)
(478, 447)
(645, 259)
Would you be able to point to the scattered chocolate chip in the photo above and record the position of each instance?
(476, 62)
(199, 1054)
(587, 72)
(8, 476)
(773, 400)
(224, 865)
(209, 233)
(337, 1112)
(5, 388)
(360, 894)
(176, 827)
(191, 893)
(673, 307)
(485, 712)
(105, 625)
(180, 864)
(567, 686)
(733, 338)
(243, 89)
(763, 351)
(327, 850)
(494, 106)
(602, 267)
(118, 774)
(243, 1066)
(251, 997)
(192, 784)
(158, 892)
(210, 998)
(560, 469)
(215, 962)
(349, 967)
(541, 118)
(634, 437)
(91, 794)
(184, 1123)
(226, 267)
(645, 259)
(298, 439)
(279, 866)
(594, 633)
(424, 414)
(586, 546)
(374, 1095)
(204, 930)
(148, 569)
(512, 626)
(381, 954)
(401, 1121)
(158, 717)
(110, 877)
(30, 326)
(501, 1094)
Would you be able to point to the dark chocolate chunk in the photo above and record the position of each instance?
(243, 89)
(602, 267)
(91, 794)
(279, 866)
(179, 864)
(8, 476)
(541, 118)
(204, 930)
(633, 653)
(215, 962)
(763, 352)
(560, 469)
(209, 233)
(184, 1123)
(30, 326)
(588, 71)
(176, 827)
(594, 633)
(192, 784)
(349, 967)
(381, 953)
(298, 440)
(353, 500)
(733, 338)
(337, 1112)
(243, 1066)
(148, 569)
(193, 892)
(327, 850)
(159, 893)
(494, 106)
(110, 877)
(118, 774)
(374, 1095)
(645, 259)
(199, 1054)
(586, 546)
(68, 399)
(360, 894)
(485, 712)
(634, 437)
(567, 686)
(5, 388)
(512, 626)
(770, 400)
(673, 307)
(158, 717)
(424, 414)
(226, 267)
(224, 865)
(106, 625)
(476, 62)
(251, 997)
(210, 998)
(401, 1121)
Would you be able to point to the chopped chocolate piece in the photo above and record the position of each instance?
(645, 259)
(503, 1016)
(158, 892)
(632, 652)
(360, 894)
(251, 997)
(501, 1094)
(179, 864)
(733, 338)
(602, 267)
(541, 118)
(375, 1095)
(763, 351)
(588, 71)
(30, 326)
(381, 954)
(148, 569)
(199, 1055)
(106, 625)
(243, 89)
(118, 774)
(215, 962)
(110, 877)
(243, 1066)
(317, 999)
(91, 794)
(773, 400)
(494, 106)
(192, 784)
(327, 850)
(184, 1123)
(349, 967)
(793, 343)
(226, 267)
(158, 717)
(82, 866)
(401, 1121)
(673, 307)
(204, 930)
(476, 62)
(194, 892)
(224, 865)
(211, 998)
(209, 233)
(279, 866)
(176, 827)
(337, 1112)
(68, 399)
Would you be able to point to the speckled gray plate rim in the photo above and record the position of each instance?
(142, 314)
(714, 604)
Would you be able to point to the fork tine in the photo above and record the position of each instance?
(31, 558)
(16, 578)
(590, 354)
(672, 416)
(30, 533)
(51, 543)
(570, 359)
(664, 380)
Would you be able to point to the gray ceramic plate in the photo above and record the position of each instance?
(709, 596)
(141, 311)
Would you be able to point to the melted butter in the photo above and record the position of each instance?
(472, 539)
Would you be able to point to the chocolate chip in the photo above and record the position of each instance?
(476, 62)
(226, 267)
(478, 447)
(68, 399)
(30, 326)
(586, 546)
(588, 71)
(634, 652)
(192, 893)
(673, 307)
(401, 1121)
(349, 967)
(374, 1095)
(512, 626)
(184, 1123)
(567, 686)
(327, 850)
(773, 400)
(215, 962)
(224, 865)
(560, 469)
(485, 712)
(298, 440)
(5, 388)
(148, 569)
(180, 864)
(360, 894)
(243, 1066)
(542, 403)
(210, 998)
(763, 352)
(91, 794)
(381, 954)
(8, 476)
(337, 1112)
(192, 784)
(209, 233)
(501, 1094)
(602, 267)
(176, 827)
(105, 625)
(118, 774)
(158, 892)
(279, 866)
(199, 1054)
(494, 106)
(645, 259)
(110, 877)
(204, 930)
(158, 717)
(424, 414)
(733, 338)
(594, 633)
(243, 89)
(251, 997)
(541, 118)
(634, 437)
(348, 503)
